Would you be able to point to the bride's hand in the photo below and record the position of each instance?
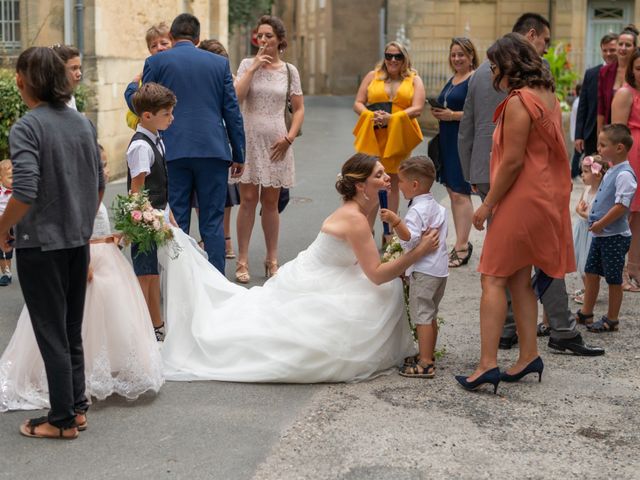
(430, 242)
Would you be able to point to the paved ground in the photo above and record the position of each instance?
(580, 422)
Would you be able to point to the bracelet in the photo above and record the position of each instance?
(396, 224)
(288, 141)
(490, 207)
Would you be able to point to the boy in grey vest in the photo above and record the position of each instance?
(147, 170)
(609, 225)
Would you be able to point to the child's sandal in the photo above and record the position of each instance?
(418, 371)
(584, 319)
(604, 325)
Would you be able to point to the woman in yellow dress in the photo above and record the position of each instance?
(389, 100)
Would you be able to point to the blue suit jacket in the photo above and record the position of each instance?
(207, 116)
(588, 106)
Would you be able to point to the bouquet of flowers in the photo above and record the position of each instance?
(139, 222)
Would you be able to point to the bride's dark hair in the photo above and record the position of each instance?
(355, 170)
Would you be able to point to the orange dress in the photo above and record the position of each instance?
(394, 143)
(531, 224)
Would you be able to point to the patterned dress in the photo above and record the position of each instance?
(263, 114)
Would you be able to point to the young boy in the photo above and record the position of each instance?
(428, 276)
(6, 177)
(157, 38)
(147, 169)
(609, 225)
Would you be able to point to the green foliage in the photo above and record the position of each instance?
(247, 12)
(11, 108)
(83, 93)
(562, 72)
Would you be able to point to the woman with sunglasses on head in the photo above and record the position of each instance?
(463, 60)
(389, 100)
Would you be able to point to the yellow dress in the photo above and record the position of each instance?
(394, 143)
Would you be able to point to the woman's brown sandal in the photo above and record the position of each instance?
(28, 429)
(456, 260)
(583, 318)
(418, 371)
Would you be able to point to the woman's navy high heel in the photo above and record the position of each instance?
(536, 366)
(490, 376)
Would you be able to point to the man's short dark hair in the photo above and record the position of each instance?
(619, 133)
(530, 20)
(152, 97)
(609, 37)
(185, 27)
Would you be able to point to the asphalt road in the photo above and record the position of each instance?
(209, 430)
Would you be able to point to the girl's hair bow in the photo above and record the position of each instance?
(596, 167)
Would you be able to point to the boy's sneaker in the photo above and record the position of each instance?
(5, 278)
(159, 331)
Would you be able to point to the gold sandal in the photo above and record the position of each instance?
(242, 272)
(270, 268)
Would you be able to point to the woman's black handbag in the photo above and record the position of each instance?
(433, 150)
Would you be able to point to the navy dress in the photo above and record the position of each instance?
(451, 171)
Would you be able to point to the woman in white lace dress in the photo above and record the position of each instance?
(121, 354)
(261, 85)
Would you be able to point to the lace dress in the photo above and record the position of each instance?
(319, 320)
(263, 114)
(121, 353)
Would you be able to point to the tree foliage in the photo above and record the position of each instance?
(246, 12)
(562, 71)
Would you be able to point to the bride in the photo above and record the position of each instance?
(333, 314)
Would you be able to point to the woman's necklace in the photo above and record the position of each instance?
(448, 92)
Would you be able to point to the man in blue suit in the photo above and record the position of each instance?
(207, 119)
(586, 134)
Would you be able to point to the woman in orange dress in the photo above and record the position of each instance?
(391, 136)
(529, 205)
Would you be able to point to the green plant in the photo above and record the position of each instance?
(11, 108)
(246, 12)
(564, 76)
(83, 93)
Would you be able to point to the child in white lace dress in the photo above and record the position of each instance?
(120, 348)
(593, 169)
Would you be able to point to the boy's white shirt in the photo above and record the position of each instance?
(140, 158)
(424, 213)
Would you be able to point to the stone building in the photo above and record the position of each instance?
(335, 42)
(110, 35)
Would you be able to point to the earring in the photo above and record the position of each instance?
(366, 197)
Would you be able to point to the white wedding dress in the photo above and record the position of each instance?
(318, 320)
(121, 354)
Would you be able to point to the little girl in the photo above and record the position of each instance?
(593, 169)
(121, 354)
(71, 58)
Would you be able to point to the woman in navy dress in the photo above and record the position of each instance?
(463, 61)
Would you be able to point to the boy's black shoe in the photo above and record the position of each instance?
(576, 346)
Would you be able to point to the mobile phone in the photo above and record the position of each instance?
(433, 101)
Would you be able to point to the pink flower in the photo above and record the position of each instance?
(148, 217)
(136, 215)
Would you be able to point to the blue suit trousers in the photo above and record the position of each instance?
(207, 177)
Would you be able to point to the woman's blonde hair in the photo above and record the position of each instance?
(406, 69)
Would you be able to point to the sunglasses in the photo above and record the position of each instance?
(394, 56)
(492, 67)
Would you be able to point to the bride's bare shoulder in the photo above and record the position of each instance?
(344, 221)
